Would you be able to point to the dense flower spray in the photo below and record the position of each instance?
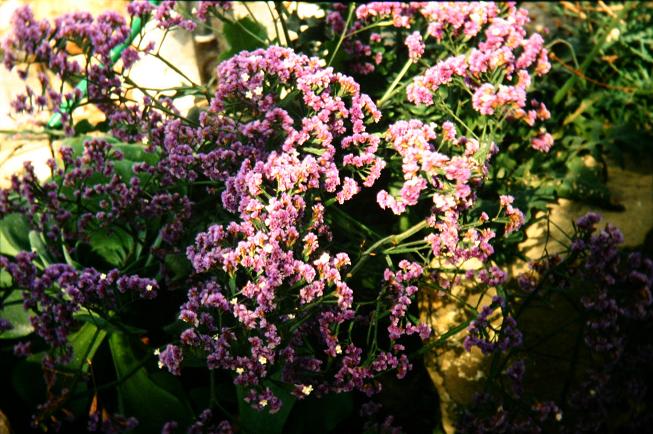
(235, 205)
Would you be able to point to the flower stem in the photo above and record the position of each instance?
(391, 239)
(350, 14)
(279, 7)
(388, 93)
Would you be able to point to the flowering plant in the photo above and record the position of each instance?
(267, 248)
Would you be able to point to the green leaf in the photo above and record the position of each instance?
(239, 39)
(27, 380)
(37, 244)
(14, 234)
(83, 127)
(114, 246)
(140, 395)
(69, 260)
(178, 265)
(14, 312)
(85, 343)
(105, 325)
(135, 152)
(262, 422)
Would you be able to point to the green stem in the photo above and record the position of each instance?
(239, 24)
(371, 26)
(174, 68)
(355, 222)
(388, 93)
(391, 239)
(590, 57)
(43, 132)
(442, 339)
(350, 14)
(279, 7)
(274, 20)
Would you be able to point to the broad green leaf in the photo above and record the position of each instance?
(27, 376)
(239, 39)
(85, 343)
(136, 152)
(140, 395)
(178, 265)
(114, 246)
(83, 127)
(14, 234)
(37, 244)
(14, 312)
(105, 325)
(27, 380)
(69, 260)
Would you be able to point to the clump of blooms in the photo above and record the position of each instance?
(249, 225)
(282, 282)
(415, 46)
(489, 53)
(75, 288)
(612, 289)
(450, 182)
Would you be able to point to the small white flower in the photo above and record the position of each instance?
(559, 416)
(290, 316)
(244, 76)
(613, 35)
(338, 349)
(239, 370)
(258, 90)
(306, 390)
(234, 301)
(248, 95)
(263, 402)
(103, 276)
(160, 364)
(157, 352)
(149, 287)
(262, 360)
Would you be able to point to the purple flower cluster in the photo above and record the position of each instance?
(58, 291)
(78, 46)
(283, 284)
(283, 141)
(51, 45)
(483, 335)
(615, 303)
(91, 191)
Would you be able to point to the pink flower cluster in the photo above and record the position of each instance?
(403, 293)
(415, 46)
(449, 181)
(284, 285)
(503, 51)
(515, 216)
(496, 70)
(263, 79)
